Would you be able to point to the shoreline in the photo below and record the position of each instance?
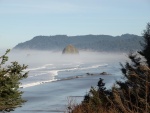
(52, 97)
(67, 78)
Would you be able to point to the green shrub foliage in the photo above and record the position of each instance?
(10, 96)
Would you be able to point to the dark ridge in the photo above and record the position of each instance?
(122, 43)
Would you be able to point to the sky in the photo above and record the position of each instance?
(21, 20)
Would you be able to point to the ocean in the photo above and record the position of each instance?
(56, 80)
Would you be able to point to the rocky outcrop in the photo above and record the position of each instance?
(96, 74)
(104, 73)
(70, 49)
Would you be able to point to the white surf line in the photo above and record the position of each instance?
(38, 68)
(56, 80)
(94, 66)
(36, 83)
(37, 75)
(55, 72)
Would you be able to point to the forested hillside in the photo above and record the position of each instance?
(124, 42)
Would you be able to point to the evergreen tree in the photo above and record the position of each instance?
(146, 44)
(132, 95)
(10, 96)
(96, 99)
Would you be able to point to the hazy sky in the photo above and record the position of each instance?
(21, 20)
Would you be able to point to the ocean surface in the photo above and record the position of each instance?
(55, 80)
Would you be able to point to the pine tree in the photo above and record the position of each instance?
(146, 44)
(10, 96)
(96, 98)
(133, 94)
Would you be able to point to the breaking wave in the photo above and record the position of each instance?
(41, 76)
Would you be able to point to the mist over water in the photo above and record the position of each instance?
(38, 58)
(54, 76)
(49, 66)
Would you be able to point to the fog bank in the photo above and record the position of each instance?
(38, 58)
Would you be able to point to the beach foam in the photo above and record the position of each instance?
(36, 83)
(43, 76)
(38, 68)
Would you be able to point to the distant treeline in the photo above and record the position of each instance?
(122, 43)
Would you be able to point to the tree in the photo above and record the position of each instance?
(146, 44)
(95, 101)
(132, 95)
(10, 96)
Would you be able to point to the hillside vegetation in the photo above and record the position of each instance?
(124, 42)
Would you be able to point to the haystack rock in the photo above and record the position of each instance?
(70, 49)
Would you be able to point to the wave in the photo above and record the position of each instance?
(37, 75)
(62, 79)
(54, 73)
(78, 67)
(84, 68)
(94, 66)
(36, 83)
(38, 68)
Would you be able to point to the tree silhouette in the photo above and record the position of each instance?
(146, 44)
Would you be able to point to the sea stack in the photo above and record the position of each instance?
(70, 49)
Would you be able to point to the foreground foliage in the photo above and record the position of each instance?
(10, 96)
(146, 44)
(132, 95)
